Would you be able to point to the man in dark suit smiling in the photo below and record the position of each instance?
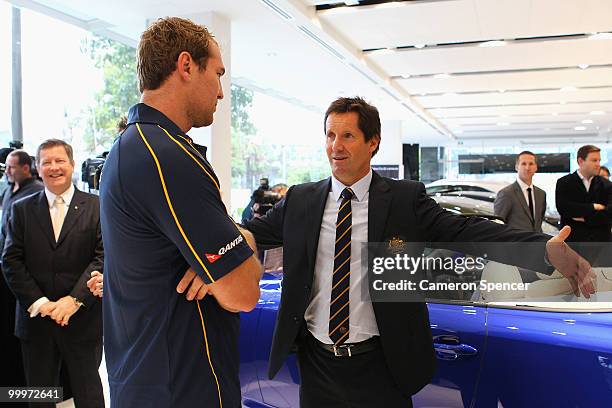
(351, 351)
(54, 244)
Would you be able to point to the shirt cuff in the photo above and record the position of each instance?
(35, 308)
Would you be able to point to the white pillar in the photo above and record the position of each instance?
(390, 150)
(218, 136)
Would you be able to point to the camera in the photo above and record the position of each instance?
(91, 171)
(264, 198)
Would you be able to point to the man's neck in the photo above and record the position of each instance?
(168, 104)
(584, 174)
(526, 181)
(59, 191)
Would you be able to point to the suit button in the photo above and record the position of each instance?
(296, 319)
(307, 287)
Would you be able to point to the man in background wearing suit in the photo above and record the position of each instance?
(351, 351)
(54, 243)
(521, 204)
(583, 199)
(21, 183)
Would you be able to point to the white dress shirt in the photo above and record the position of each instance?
(67, 195)
(362, 323)
(524, 188)
(585, 181)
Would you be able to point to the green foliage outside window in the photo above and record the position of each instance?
(120, 91)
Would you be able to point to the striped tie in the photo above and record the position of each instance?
(339, 306)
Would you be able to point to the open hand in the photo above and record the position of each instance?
(571, 265)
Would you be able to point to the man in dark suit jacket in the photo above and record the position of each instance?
(521, 204)
(54, 244)
(584, 199)
(21, 183)
(374, 354)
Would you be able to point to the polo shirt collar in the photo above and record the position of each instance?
(143, 113)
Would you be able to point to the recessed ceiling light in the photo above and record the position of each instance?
(493, 43)
(568, 89)
(406, 76)
(502, 90)
(382, 51)
(598, 113)
(583, 66)
(351, 2)
(601, 36)
(442, 76)
(587, 121)
(341, 10)
(502, 123)
(419, 46)
(392, 4)
(580, 128)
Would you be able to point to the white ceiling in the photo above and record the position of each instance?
(512, 92)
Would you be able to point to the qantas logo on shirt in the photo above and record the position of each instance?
(213, 257)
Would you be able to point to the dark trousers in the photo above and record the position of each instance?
(360, 381)
(43, 357)
(11, 373)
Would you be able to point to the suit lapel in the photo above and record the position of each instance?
(378, 208)
(540, 205)
(579, 182)
(315, 208)
(75, 209)
(519, 192)
(44, 218)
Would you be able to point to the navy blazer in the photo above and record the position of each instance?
(396, 208)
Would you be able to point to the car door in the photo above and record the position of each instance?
(548, 355)
(459, 334)
(283, 390)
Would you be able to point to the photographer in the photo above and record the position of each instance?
(263, 199)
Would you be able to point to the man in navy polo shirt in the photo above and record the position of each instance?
(167, 231)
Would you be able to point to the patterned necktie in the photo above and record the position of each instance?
(339, 306)
(60, 214)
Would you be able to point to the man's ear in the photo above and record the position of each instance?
(374, 143)
(184, 65)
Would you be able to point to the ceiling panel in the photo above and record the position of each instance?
(531, 55)
(514, 98)
(466, 20)
(509, 81)
(523, 110)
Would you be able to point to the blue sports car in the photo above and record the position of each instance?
(496, 354)
(506, 354)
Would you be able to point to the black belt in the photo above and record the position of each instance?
(349, 349)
